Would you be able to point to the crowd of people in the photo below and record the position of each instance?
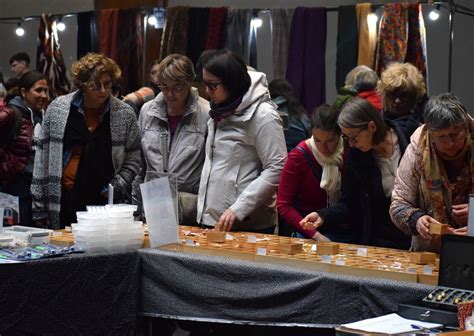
(376, 167)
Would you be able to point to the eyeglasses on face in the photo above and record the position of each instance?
(352, 138)
(172, 88)
(211, 86)
(97, 86)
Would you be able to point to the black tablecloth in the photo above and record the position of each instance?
(210, 288)
(80, 294)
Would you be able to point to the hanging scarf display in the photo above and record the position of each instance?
(331, 175)
(49, 59)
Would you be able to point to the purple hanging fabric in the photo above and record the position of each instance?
(306, 56)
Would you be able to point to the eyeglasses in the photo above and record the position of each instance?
(97, 86)
(211, 86)
(172, 88)
(353, 138)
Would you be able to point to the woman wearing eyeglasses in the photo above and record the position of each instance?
(245, 149)
(173, 128)
(372, 162)
(89, 139)
(435, 176)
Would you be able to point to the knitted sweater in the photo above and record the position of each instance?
(48, 167)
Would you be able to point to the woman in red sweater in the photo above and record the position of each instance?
(311, 178)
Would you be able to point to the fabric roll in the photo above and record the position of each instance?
(306, 56)
(49, 59)
(392, 40)
(216, 28)
(108, 27)
(87, 38)
(238, 32)
(175, 33)
(281, 24)
(197, 32)
(367, 35)
(416, 44)
(347, 43)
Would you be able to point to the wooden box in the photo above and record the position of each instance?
(439, 229)
(291, 248)
(327, 248)
(423, 258)
(216, 236)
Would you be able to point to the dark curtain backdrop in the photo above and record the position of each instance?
(197, 32)
(175, 33)
(347, 43)
(216, 30)
(87, 37)
(238, 32)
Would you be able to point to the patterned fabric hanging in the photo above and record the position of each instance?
(49, 60)
(175, 33)
(281, 24)
(402, 37)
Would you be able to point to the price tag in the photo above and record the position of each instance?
(190, 242)
(326, 259)
(411, 269)
(261, 251)
(251, 239)
(362, 252)
(314, 248)
(57, 233)
(427, 269)
(229, 237)
(340, 262)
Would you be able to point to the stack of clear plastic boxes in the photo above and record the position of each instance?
(107, 227)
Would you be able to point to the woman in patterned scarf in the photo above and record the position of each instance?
(434, 179)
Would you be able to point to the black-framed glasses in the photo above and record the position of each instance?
(172, 88)
(211, 86)
(352, 138)
(97, 86)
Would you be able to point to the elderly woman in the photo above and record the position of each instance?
(245, 149)
(377, 147)
(434, 179)
(403, 92)
(89, 140)
(173, 128)
(20, 125)
(311, 178)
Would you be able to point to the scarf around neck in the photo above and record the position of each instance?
(218, 113)
(331, 175)
(436, 184)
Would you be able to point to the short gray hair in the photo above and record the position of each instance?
(361, 78)
(444, 111)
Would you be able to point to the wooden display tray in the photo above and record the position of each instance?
(333, 257)
(376, 262)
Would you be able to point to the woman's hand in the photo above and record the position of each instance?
(423, 226)
(226, 221)
(460, 212)
(461, 231)
(320, 238)
(311, 221)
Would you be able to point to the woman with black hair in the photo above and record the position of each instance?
(20, 125)
(297, 126)
(245, 148)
